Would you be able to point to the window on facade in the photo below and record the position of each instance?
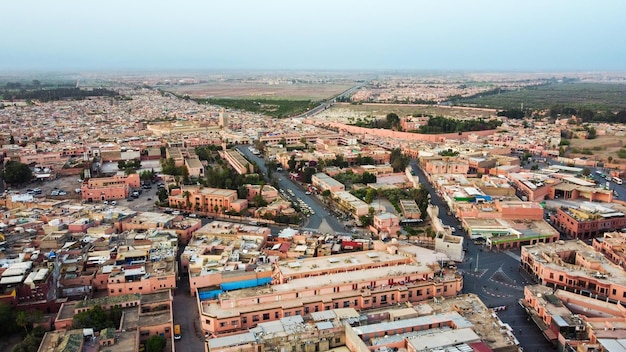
(234, 323)
(255, 318)
(336, 305)
(222, 324)
(244, 320)
(266, 316)
(346, 304)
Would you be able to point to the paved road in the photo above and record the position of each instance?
(186, 314)
(494, 277)
(322, 219)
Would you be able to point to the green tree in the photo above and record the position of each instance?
(398, 161)
(292, 163)
(162, 194)
(308, 173)
(155, 343)
(147, 175)
(369, 195)
(7, 320)
(23, 320)
(366, 220)
(17, 173)
(591, 133)
(32, 341)
(586, 171)
(368, 178)
(393, 121)
(96, 318)
(422, 198)
(121, 165)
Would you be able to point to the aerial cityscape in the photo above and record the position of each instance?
(325, 176)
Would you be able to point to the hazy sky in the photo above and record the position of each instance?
(296, 34)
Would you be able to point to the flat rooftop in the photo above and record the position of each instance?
(550, 256)
(346, 260)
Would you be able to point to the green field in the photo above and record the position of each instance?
(271, 107)
(594, 96)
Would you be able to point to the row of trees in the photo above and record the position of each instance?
(129, 166)
(98, 318)
(45, 95)
(349, 178)
(587, 115)
(390, 122)
(440, 124)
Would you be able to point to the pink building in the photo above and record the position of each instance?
(444, 165)
(575, 267)
(386, 223)
(267, 192)
(109, 188)
(359, 280)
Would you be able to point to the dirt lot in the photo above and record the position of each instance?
(67, 184)
(601, 147)
(238, 90)
(145, 202)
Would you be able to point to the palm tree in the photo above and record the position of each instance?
(186, 194)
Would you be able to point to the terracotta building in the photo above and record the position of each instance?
(588, 221)
(196, 198)
(109, 188)
(577, 267)
(360, 280)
